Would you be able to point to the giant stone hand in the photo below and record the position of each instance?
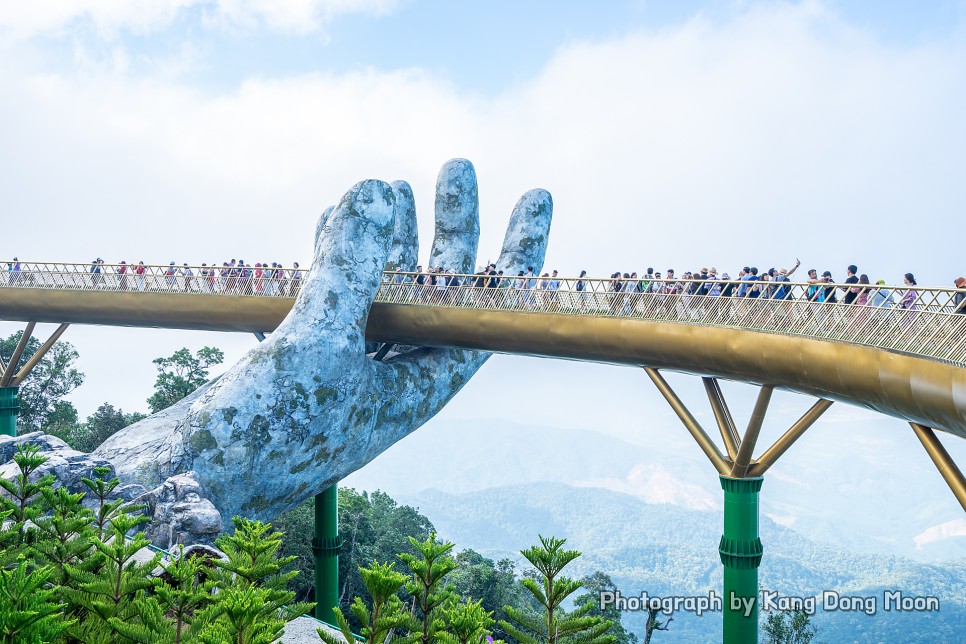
(307, 406)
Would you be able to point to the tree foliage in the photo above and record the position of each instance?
(428, 568)
(72, 574)
(99, 426)
(180, 374)
(554, 625)
(595, 584)
(784, 627)
(373, 527)
(42, 391)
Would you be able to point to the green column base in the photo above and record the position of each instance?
(9, 408)
(741, 552)
(325, 547)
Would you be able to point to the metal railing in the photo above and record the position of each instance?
(913, 320)
(208, 280)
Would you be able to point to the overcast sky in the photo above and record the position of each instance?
(671, 134)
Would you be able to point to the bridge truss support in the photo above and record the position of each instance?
(944, 462)
(740, 548)
(325, 547)
(11, 377)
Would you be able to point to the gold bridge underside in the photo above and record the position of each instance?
(913, 389)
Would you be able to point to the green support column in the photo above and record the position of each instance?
(740, 550)
(9, 407)
(326, 546)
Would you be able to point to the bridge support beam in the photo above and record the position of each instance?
(740, 547)
(325, 547)
(697, 432)
(740, 551)
(943, 461)
(726, 425)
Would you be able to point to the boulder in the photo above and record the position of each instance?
(181, 513)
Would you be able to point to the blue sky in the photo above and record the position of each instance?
(671, 134)
(482, 47)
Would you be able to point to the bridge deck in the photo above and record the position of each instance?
(907, 363)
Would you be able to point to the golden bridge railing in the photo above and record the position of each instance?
(223, 280)
(909, 319)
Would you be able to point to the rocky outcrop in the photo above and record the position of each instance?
(66, 464)
(181, 514)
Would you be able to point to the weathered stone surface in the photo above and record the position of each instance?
(47, 443)
(181, 513)
(304, 630)
(307, 407)
(67, 465)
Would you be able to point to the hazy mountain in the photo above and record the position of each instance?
(668, 550)
(860, 489)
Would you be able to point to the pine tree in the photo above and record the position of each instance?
(555, 625)
(22, 505)
(110, 592)
(167, 615)
(387, 614)
(101, 487)
(252, 602)
(65, 537)
(242, 618)
(29, 612)
(466, 623)
(428, 570)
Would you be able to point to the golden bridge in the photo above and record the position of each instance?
(907, 362)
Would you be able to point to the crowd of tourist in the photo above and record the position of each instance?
(857, 289)
(273, 279)
(232, 277)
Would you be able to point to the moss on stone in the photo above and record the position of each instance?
(325, 394)
(202, 440)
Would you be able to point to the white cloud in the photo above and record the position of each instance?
(780, 133)
(294, 16)
(108, 17)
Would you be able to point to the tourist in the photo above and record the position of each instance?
(813, 293)
(122, 271)
(881, 297)
(851, 292)
(553, 286)
(188, 278)
(959, 297)
(139, 276)
(829, 292)
(909, 298)
(580, 288)
(169, 275)
(96, 269)
(729, 287)
(714, 283)
(14, 268)
(862, 297)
